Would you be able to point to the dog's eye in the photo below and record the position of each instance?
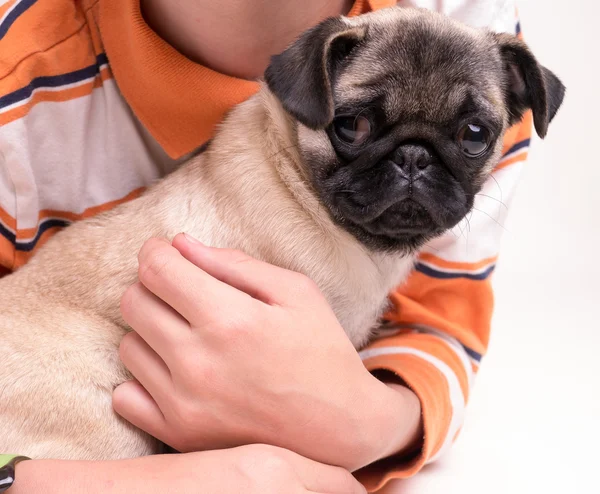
(353, 130)
(474, 140)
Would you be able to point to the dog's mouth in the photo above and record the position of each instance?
(404, 225)
(406, 218)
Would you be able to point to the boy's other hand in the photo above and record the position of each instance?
(229, 350)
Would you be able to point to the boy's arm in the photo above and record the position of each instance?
(438, 329)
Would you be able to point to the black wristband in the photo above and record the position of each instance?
(7, 470)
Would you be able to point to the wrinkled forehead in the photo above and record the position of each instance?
(423, 67)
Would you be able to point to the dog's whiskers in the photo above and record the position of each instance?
(491, 197)
(499, 188)
(491, 217)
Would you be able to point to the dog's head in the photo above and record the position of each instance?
(401, 115)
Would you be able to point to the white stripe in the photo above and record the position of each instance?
(23, 240)
(50, 89)
(453, 343)
(457, 400)
(7, 13)
(49, 162)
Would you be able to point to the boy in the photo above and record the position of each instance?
(100, 97)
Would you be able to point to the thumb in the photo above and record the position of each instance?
(263, 281)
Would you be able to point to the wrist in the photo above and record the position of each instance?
(60, 476)
(389, 422)
(28, 475)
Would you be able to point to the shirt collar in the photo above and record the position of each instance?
(177, 100)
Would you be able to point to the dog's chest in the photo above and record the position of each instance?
(362, 300)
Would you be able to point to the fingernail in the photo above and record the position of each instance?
(191, 239)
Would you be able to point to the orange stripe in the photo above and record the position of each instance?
(7, 253)
(94, 210)
(39, 34)
(431, 345)
(12, 259)
(7, 219)
(457, 434)
(459, 306)
(55, 97)
(379, 4)
(358, 8)
(518, 132)
(511, 161)
(467, 266)
(91, 13)
(22, 257)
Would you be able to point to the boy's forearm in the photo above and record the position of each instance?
(59, 476)
(141, 475)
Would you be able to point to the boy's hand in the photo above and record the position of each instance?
(230, 350)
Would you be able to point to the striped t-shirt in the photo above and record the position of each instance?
(94, 106)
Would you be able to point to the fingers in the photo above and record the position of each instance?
(157, 323)
(132, 402)
(145, 365)
(263, 281)
(326, 479)
(192, 292)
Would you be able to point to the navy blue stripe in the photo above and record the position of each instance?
(29, 246)
(518, 28)
(473, 354)
(53, 81)
(517, 146)
(10, 236)
(45, 225)
(422, 268)
(15, 13)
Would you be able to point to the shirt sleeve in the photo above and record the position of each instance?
(438, 329)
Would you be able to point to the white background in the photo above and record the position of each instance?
(533, 422)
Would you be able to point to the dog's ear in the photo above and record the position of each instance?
(302, 76)
(529, 84)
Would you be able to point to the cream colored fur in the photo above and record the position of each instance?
(60, 326)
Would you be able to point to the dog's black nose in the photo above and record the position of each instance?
(410, 158)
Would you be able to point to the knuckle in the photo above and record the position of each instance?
(154, 258)
(265, 468)
(128, 301)
(236, 256)
(127, 346)
(183, 415)
(304, 284)
(237, 329)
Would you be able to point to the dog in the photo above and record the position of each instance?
(369, 136)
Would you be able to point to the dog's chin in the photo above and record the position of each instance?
(403, 227)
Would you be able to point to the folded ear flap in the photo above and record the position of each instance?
(529, 84)
(302, 76)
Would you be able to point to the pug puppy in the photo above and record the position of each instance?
(370, 136)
